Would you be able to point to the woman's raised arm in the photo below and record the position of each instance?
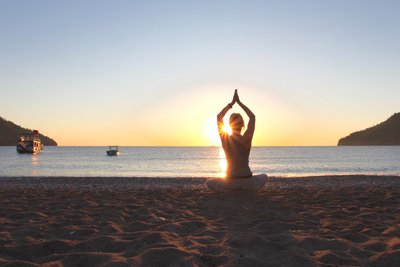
(252, 120)
(221, 115)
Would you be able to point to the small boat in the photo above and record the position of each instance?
(112, 151)
(29, 143)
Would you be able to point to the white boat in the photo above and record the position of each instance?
(112, 151)
(29, 143)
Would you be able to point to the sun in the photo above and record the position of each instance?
(227, 128)
(211, 130)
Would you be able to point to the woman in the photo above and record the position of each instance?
(237, 150)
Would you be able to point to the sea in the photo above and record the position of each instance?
(64, 161)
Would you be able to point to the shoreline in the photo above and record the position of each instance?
(193, 182)
(315, 221)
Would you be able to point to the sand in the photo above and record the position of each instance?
(315, 221)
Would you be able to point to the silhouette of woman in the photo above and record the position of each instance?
(237, 150)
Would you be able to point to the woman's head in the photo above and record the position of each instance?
(236, 122)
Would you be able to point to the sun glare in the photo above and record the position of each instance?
(227, 128)
(211, 130)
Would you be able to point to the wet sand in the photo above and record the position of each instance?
(315, 221)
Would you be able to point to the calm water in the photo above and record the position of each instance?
(198, 161)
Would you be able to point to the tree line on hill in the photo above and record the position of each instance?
(386, 133)
(9, 132)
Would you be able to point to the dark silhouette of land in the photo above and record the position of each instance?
(386, 133)
(9, 132)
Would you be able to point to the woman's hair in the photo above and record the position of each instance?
(236, 121)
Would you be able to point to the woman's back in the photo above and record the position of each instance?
(237, 151)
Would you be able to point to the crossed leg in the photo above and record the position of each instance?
(251, 184)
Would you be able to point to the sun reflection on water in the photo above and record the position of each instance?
(222, 163)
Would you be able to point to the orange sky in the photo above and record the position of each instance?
(189, 119)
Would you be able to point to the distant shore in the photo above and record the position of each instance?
(333, 220)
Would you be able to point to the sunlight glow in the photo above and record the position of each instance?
(35, 163)
(227, 128)
(211, 130)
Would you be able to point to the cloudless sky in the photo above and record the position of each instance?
(158, 72)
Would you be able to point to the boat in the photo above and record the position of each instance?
(29, 143)
(112, 151)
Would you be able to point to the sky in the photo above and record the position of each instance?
(153, 73)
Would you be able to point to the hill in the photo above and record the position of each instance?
(9, 132)
(386, 133)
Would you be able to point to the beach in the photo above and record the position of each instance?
(300, 221)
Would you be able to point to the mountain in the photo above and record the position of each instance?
(386, 133)
(9, 132)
